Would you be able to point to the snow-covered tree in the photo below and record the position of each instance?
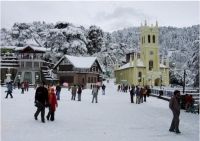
(95, 39)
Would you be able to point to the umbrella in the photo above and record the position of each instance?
(98, 83)
(65, 84)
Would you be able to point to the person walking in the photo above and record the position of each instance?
(103, 89)
(41, 100)
(79, 93)
(22, 87)
(58, 89)
(145, 93)
(174, 105)
(52, 104)
(141, 94)
(132, 93)
(95, 93)
(73, 92)
(137, 92)
(9, 90)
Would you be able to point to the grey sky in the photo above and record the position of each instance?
(109, 16)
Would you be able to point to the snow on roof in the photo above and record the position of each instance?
(81, 62)
(31, 42)
(140, 63)
(8, 47)
(128, 65)
(163, 66)
(33, 47)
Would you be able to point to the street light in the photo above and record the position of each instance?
(160, 81)
(184, 76)
(36, 78)
(19, 77)
(143, 79)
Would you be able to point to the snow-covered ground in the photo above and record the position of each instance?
(114, 118)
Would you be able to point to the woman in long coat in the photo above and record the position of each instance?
(52, 104)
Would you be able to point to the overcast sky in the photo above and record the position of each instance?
(109, 16)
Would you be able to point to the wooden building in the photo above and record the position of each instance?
(85, 71)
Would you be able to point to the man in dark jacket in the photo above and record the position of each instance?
(132, 93)
(41, 100)
(174, 105)
(10, 89)
(58, 89)
(103, 89)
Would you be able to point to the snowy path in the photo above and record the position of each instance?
(114, 118)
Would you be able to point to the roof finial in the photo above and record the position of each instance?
(156, 23)
(145, 22)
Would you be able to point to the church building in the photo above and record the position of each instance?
(146, 66)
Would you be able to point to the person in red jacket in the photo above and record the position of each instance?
(52, 104)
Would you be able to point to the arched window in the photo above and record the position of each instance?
(149, 39)
(154, 39)
(139, 76)
(150, 65)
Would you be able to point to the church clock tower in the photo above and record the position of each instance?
(149, 46)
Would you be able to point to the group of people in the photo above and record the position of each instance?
(45, 97)
(140, 92)
(48, 96)
(24, 86)
(75, 90)
(123, 88)
(189, 103)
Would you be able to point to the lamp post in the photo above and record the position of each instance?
(36, 78)
(184, 75)
(143, 79)
(19, 77)
(160, 81)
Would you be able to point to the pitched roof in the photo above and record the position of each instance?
(36, 48)
(79, 62)
(128, 65)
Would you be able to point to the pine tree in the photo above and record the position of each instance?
(95, 39)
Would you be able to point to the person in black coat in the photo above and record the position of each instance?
(58, 89)
(132, 92)
(10, 89)
(41, 100)
(103, 89)
(79, 93)
(174, 105)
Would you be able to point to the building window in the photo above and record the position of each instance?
(151, 52)
(139, 76)
(28, 64)
(154, 39)
(95, 79)
(142, 40)
(36, 64)
(91, 79)
(138, 56)
(83, 80)
(149, 39)
(150, 65)
(28, 77)
(88, 79)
